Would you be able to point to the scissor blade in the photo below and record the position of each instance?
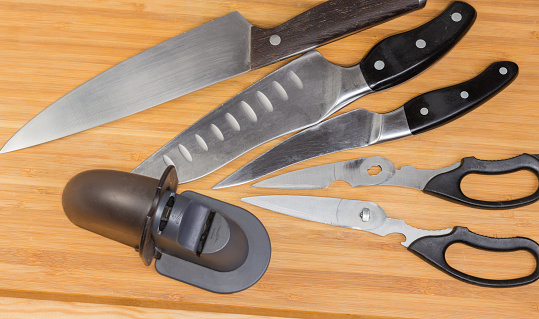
(356, 173)
(360, 215)
(190, 61)
(358, 128)
(308, 178)
(332, 211)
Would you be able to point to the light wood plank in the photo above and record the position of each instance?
(49, 47)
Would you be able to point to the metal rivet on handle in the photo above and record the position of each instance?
(275, 39)
(424, 111)
(464, 94)
(503, 70)
(456, 17)
(421, 43)
(379, 65)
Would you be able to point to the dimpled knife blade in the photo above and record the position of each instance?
(301, 94)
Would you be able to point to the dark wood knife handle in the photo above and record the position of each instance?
(322, 24)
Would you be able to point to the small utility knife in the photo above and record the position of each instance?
(360, 128)
(443, 182)
(303, 93)
(427, 244)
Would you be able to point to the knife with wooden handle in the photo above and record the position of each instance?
(210, 53)
(360, 128)
(303, 93)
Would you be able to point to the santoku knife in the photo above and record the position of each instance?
(443, 182)
(302, 93)
(360, 128)
(430, 245)
(210, 53)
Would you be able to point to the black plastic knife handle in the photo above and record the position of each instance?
(402, 56)
(433, 248)
(447, 185)
(438, 107)
(322, 24)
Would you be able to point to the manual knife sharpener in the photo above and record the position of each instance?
(195, 239)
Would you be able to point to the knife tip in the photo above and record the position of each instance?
(220, 185)
(249, 200)
(5, 149)
(265, 184)
(228, 182)
(258, 185)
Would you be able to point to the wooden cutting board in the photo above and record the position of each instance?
(48, 265)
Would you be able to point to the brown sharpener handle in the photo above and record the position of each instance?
(322, 24)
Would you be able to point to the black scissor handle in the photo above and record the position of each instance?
(447, 185)
(432, 249)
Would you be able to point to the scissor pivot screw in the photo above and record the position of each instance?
(365, 214)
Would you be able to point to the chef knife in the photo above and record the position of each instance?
(210, 53)
(360, 128)
(444, 182)
(302, 93)
(430, 245)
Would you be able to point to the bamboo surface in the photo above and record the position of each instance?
(52, 268)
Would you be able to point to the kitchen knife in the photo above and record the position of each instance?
(430, 245)
(360, 128)
(210, 53)
(302, 93)
(443, 182)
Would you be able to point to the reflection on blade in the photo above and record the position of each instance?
(354, 129)
(308, 178)
(300, 94)
(190, 61)
(356, 173)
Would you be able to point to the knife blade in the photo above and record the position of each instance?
(360, 128)
(303, 93)
(213, 52)
(444, 182)
(430, 245)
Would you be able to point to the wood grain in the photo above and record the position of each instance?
(49, 47)
(53, 309)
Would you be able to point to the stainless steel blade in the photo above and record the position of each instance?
(356, 173)
(354, 129)
(298, 95)
(332, 211)
(360, 215)
(190, 61)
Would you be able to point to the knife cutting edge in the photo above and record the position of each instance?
(443, 182)
(428, 244)
(213, 52)
(360, 128)
(303, 93)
